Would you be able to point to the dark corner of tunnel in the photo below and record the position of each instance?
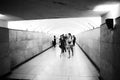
(109, 50)
(4, 53)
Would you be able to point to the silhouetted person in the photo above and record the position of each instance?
(74, 40)
(62, 43)
(54, 41)
(65, 40)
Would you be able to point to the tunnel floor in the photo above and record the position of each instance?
(50, 66)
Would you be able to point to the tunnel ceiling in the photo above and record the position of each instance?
(45, 9)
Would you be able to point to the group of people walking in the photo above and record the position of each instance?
(66, 43)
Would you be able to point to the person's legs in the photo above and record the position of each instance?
(72, 50)
(65, 48)
(62, 49)
(54, 44)
(61, 52)
(69, 52)
(73, 43)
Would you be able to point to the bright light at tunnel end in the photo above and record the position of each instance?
(105, 7)
(57, 26)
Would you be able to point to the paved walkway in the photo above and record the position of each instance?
(49, 66)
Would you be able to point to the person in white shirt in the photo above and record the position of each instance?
(69, 44)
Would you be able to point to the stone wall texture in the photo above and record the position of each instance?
(102, 45)
(4, 53)
(17, 46)
(90, 43)
(24, 45)
(110, 51)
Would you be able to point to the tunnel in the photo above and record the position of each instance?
(27, 33)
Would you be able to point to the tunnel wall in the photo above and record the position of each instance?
(4, 46)
(102, 45)
(17, 46)
(110, 52)
(110, 47)
(24, 44)
(106, 49)
(89, 41)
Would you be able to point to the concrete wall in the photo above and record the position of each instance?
(23, 45)
(18, 46)
(106, 50)
(4, 55)
(110, 49)
(102, 45)
(90, 43)
(4, 46)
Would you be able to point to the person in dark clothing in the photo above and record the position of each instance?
(54, 42)
(74, 40)
(62, 43)
(65, 41)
